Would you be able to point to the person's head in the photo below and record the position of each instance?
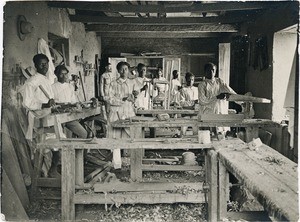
(210, 70)
(142, 69)
(160, 73)
(189, 78)
(41, 63)
(175, 74)
(123, 69)
(61, 73)
(108, 67)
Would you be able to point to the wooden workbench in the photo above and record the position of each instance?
(144, 192)
(49, 121)
(268, 175)
(251, 125)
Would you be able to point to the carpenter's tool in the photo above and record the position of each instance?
(48, 97)
(81, 81)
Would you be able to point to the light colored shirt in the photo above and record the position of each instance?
(208, 90)
(33, 96)
(119, 89)
(143, 99)
(188, 95)
(105, 81)
(64, 93)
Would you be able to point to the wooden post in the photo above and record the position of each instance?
(212, 179)
(136, 155)
(68, 184)
(79, 170)
(223, 190)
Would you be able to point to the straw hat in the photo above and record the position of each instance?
(24, 27)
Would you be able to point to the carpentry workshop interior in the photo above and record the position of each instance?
(150, 111)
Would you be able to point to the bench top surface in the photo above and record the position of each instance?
(193, 122)
(269, 176)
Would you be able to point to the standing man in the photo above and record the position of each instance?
(122, 95)
(212, 90)
(105, 81)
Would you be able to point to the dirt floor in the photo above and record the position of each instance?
(50, 210)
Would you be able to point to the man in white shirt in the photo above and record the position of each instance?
(64, 93)
(37, 92)
(105, 81)
(212, 90)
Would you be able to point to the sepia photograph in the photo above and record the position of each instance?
(149, 111)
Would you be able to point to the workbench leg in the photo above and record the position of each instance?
(251, 133)
(68, 185)
(79, 170)
(223, 190)
(37, 167)
(212, 179)
(136, 156)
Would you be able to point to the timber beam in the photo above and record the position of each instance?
(163, 28)
(159, 21)
(168, 34)
(162, 8)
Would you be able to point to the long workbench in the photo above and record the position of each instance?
(143, 192)
(251, 125)
(268, 175)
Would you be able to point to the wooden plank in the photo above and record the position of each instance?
(58, 127)
(140, 187)
(223, 191)
(197, 28)
(244, 98)
(186, 122)
(11, 165)
(157, 8)
(221, 117)
(105, 143)
(11, 205)
(68, 184)
(48, 121)
(154, 167)
(154, 21)
(79, 170)
(268, 175)
(133, 198)
(136, 156)
(212, 171)
(18, 140)
(168, 111)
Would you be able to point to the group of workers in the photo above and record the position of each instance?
(122, 95)
(125, 94)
